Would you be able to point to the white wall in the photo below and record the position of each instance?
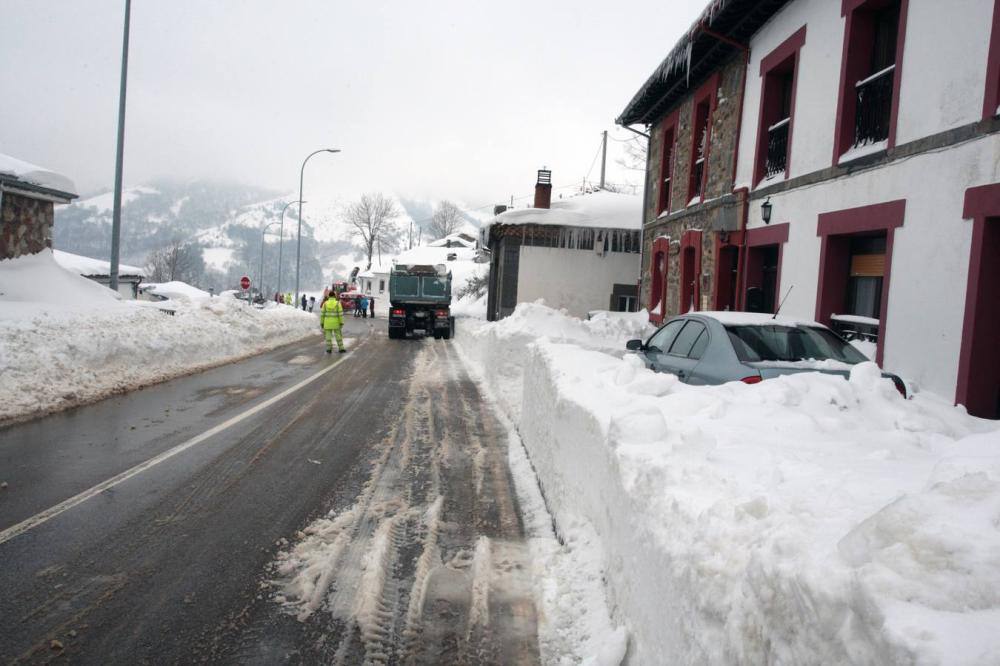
(930, 254)
(944, 75)
(577, 280)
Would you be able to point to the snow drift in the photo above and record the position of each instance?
(65, 340)
(807, 519)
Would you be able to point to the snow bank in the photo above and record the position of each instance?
(175, 290)
(807, 519)
(65, 340)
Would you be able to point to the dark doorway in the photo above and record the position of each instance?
(762, 278)
(727, 265)
(980, 392)
(689, 277)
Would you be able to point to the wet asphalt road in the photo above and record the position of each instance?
(177, 563)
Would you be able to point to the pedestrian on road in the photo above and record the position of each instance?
(357, 307)
(371, 305)
(312, 303)
(364, 307)
(304, 301)
(331, 319)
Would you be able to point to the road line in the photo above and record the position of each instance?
(66, 505)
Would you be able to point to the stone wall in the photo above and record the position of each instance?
(721, 210)
(25, 225)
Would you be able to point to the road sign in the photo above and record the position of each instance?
(244, 283)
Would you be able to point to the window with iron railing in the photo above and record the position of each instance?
(873, 107)
(777, 148)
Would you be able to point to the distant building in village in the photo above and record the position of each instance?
(98, 270)
(28, 194)
(580, 253)
(851, 141)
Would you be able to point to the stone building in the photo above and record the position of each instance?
(691, 108)
(28, 195)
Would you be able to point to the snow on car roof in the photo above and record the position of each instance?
(736, 318)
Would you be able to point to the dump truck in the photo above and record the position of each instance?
(420, 301)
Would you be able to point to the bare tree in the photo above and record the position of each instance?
(634, 153)
(447, 220)
(177, 261)
(373, 222)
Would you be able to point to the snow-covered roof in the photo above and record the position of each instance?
(462, 239)
(89, 267)
(377, 268)
(32, 177)
(598, 210)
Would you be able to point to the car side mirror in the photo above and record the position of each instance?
(634, 345)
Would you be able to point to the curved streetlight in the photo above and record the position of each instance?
(260, 274)
(298, 241)
(281, 234)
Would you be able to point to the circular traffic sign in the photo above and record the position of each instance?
(244, 283)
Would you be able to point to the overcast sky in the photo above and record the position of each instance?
(443, 99)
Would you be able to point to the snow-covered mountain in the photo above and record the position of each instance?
(226, 220)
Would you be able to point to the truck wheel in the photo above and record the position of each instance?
(393, 334)
(446, 334)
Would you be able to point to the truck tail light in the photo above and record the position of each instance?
(442, 313)
(752, 379)
(398, 312)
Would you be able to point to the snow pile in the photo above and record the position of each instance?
(805, 519)
(65, 340)
(35, 175)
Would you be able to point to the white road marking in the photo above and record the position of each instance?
(66, 505)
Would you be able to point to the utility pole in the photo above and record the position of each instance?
(116, 216)
(604, 156)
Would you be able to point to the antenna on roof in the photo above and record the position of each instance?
(783, 301)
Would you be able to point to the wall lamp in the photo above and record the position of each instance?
(765, 211)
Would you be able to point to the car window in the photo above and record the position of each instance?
(790, 343)
(686, 338)
(699, 346)
(660, 342)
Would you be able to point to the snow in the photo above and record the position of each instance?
(855, 319)
(66, 340)
(806, 519)
(863, 150)
(737, 318)
(36, 175)
(87, 266)
(105, 203)
(218, 258)
(600, 210)
(174, 290)
(866, 347)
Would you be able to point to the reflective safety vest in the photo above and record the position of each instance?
(331, 314)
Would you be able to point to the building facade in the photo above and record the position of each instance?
(869, 137)
(28, 194)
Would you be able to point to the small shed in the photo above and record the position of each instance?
(28, 194)
(98, 270)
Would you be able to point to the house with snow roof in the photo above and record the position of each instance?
(28, 195)
(98, 270)
(865, 144)
(580, 253)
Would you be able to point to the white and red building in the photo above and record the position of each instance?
(870, 129)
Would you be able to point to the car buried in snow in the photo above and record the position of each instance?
(708, 348)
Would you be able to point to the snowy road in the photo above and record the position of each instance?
(368, 516)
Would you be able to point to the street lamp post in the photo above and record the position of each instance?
(281, 234)
(260, 274)
(116, 213)
(298, 240)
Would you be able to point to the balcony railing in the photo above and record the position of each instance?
(777, 148)
(874, 107)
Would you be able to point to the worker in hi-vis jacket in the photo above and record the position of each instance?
(331, 318)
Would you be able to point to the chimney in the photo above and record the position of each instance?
(543, 189)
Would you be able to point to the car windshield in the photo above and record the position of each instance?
(791, 343)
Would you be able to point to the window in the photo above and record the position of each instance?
(381, 286)
(667, 162)
(870, 74)
(687, 338)
(864, 286)
(660, 341)
(790, 343)
(777, 106)
(626, 304)
(690, 271)
(702, 134)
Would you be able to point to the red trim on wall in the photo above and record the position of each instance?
(709, 91)
(897, 74)
(690, 239)
(668, 124)
(980, 203)
(787, 49)
(991, 100)
(829, 290)
(769, 235)
(845, 102)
